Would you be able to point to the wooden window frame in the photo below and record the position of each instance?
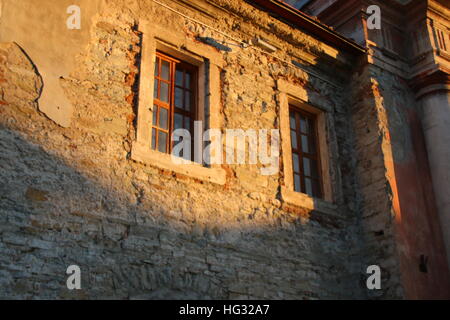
(209, 63)
(298, 96)
(192, 114)
(313, 139)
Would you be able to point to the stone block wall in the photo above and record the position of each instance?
(74, 195)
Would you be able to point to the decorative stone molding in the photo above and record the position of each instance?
(209, 63)
(298, 96)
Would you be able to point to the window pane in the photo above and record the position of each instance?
(305, 146)
(188, 81)
(163, 118)
(295, 162)
(297, 183)
(164, 94)
(157, 67)
(292, 120)
(303, 125)
(155, 114)
(165, 70)
(312, 145)
(187, 96)
(179, 98)
(314, 170)
(162, 140)
(310, 125)
(306, 167)
(294, 140)
(179, 78)
(178, 121)
(187, 123)
(155, 89)
(308, 187)
(153, 138)
(316, 188)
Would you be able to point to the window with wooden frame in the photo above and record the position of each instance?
(174, 100)
(305, 152)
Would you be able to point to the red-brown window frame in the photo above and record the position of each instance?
(192, 114)
(313, 139)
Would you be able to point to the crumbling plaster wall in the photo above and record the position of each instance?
(40, 29)
(72, 195)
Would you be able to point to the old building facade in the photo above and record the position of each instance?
(86, 179)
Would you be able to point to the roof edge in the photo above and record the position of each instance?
(303, 21)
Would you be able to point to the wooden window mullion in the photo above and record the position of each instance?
(194, 112)
(318, 159)
(300, 149)
(171, 109)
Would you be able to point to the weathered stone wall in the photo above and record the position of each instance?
(398, 215)
(400, 199)
(73, 194)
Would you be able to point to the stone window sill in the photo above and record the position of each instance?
(190, 169)
(305, 201)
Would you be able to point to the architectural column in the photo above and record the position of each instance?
(435, 108)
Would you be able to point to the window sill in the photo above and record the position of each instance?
(308, 202)
(164, 161)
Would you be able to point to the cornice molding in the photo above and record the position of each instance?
(429, 83)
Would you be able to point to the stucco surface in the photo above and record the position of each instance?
(40, 29)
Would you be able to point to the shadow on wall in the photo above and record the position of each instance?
(425, 272)
(139, 232)
(52, 216)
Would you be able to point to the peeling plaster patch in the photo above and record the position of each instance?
(54, 55)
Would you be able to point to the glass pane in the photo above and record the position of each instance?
(155, 89)
(188, 81)
(294, 140)
(312, 145)
(316, 188)
(314, 169)
(187, 123)
(155, 114)
(297, 183)
(162, 140)
(164, 94)
(305, 146)
(179, 78)
(165, 70)
(303, 125)
(178, 121)
(295, 162)
(163, 118)
(153, 138)
(308, 187)
(311, 125)
(187, 96)
(179, 98)
(157, 67)
(292, 120)
(306, 167)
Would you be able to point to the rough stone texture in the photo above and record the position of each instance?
(399, 104)
(74, 195)
(55, 51)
